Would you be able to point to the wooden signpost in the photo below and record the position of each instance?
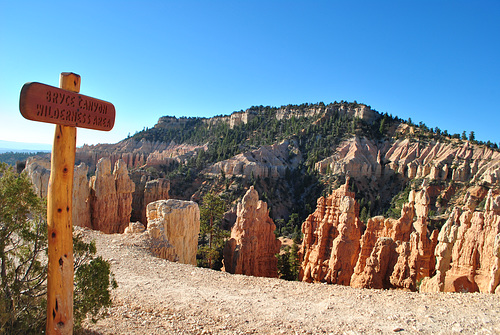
(68, 110)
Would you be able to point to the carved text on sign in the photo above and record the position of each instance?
(40, 102)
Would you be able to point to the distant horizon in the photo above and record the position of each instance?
(22, 147)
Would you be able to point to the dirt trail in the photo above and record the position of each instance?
(160, 297)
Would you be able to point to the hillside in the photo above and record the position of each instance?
(294, 154)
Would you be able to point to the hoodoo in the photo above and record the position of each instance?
(253, 245)
(389, 254)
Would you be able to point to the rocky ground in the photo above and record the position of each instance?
(155, 296)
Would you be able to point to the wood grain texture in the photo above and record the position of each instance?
(60, 229)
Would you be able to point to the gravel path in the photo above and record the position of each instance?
(156, 296)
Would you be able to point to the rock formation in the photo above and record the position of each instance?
(155, 239)
(389, 254)
(147, 191)
(454, 161)
(331, 240)
(252, 247)
(136, 154)
(134, 228)
(467, 255)
(81, 193)
(175, 226)
(38, 172)
(359, 157)
(267, 161)
(124, 189)
(111, 197)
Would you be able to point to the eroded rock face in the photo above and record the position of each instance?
(124, 189)
(390, 253)
(331, 243)
(156, 190)
(136, 154)
(39, 174)
(103, 200)
(111, 197)
(134, 228)
(146, 191)
(434, 160)
(252, 247)
(81, 194)
(267, 161)
(467, 255)
(359, 156)
(175, 226)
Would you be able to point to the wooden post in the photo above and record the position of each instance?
(68, 109)
(60, 228)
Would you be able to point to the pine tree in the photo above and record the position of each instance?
(212, 235)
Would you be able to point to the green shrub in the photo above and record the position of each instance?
(23, 262)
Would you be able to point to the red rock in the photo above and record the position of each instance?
(111, 197)
(391, 253)
(469, 249)
(331, 239)
(378, 266)
(124, 189)
(252, 247)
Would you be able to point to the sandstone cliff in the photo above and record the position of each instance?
(452, 160)
(389, 254)
(81, 197)
(146, 191)
(235, 119)
(136, 154)
(360, 111)
(252, 247)
(38, 172)
(359, 157)
(331, 242)
(174, 226)
(106, 201)
(468, 251)
(111, 197)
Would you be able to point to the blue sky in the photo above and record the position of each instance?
(433, 61)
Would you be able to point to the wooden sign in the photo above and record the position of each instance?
(68, 109)
(44, 103)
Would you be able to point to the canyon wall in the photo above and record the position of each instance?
(110, 197)
(252, 247)
(331, 242)
(268, 161)
(463, 257)
(468, 252)
(146, 191)
(136, 154)
(103, 203)
(388, 254)
(81, 215)
(452, 160)
(38, 172)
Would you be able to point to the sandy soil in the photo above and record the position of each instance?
(156, 296)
